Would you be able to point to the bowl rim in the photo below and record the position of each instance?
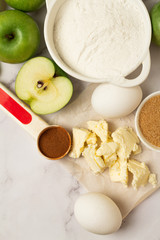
(137, 127)
(55, 56)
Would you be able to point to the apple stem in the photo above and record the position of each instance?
(10, 36)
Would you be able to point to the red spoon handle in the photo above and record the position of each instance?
(20, 112)
(14, 108)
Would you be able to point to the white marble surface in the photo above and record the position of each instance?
(37, 196)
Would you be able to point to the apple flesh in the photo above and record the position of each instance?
(39, 85)
(26, 5)
(19, 36)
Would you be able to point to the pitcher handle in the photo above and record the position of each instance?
(124, 82)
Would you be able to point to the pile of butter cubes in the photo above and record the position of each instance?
(103, 149)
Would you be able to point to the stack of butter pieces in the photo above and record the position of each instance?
(103, 149)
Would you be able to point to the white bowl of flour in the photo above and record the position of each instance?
(99, 40)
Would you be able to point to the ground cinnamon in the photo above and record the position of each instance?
(149, 120)
(54, 142)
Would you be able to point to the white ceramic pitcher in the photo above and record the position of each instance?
(52, 9)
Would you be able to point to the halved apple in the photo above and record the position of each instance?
(38, 83)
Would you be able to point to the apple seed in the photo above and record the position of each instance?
(40, 84)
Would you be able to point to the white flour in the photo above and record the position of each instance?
(96, 36)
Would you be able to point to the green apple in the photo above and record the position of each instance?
(155, 19)
(39, 84)
(19, 36)
(26, 5)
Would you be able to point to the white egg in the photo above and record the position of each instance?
(113, 101)
(97, 213)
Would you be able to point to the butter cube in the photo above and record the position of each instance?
(100, 128)
(107, 149)
(110, 161)
(138, 150)
(119, 172)
(95, 162)
(80, 136)
(127, 140)
(115, 172)
(152, 179)
(92, 139)
(140, 173)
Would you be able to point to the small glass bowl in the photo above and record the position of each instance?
(138, 130)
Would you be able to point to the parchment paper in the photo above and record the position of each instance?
(77, 114)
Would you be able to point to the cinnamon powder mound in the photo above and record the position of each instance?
(149, 120)
(54, 142)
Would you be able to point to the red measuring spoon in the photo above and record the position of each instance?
(28, 120)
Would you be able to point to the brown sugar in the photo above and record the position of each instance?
(149, 120)
(54, 142)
